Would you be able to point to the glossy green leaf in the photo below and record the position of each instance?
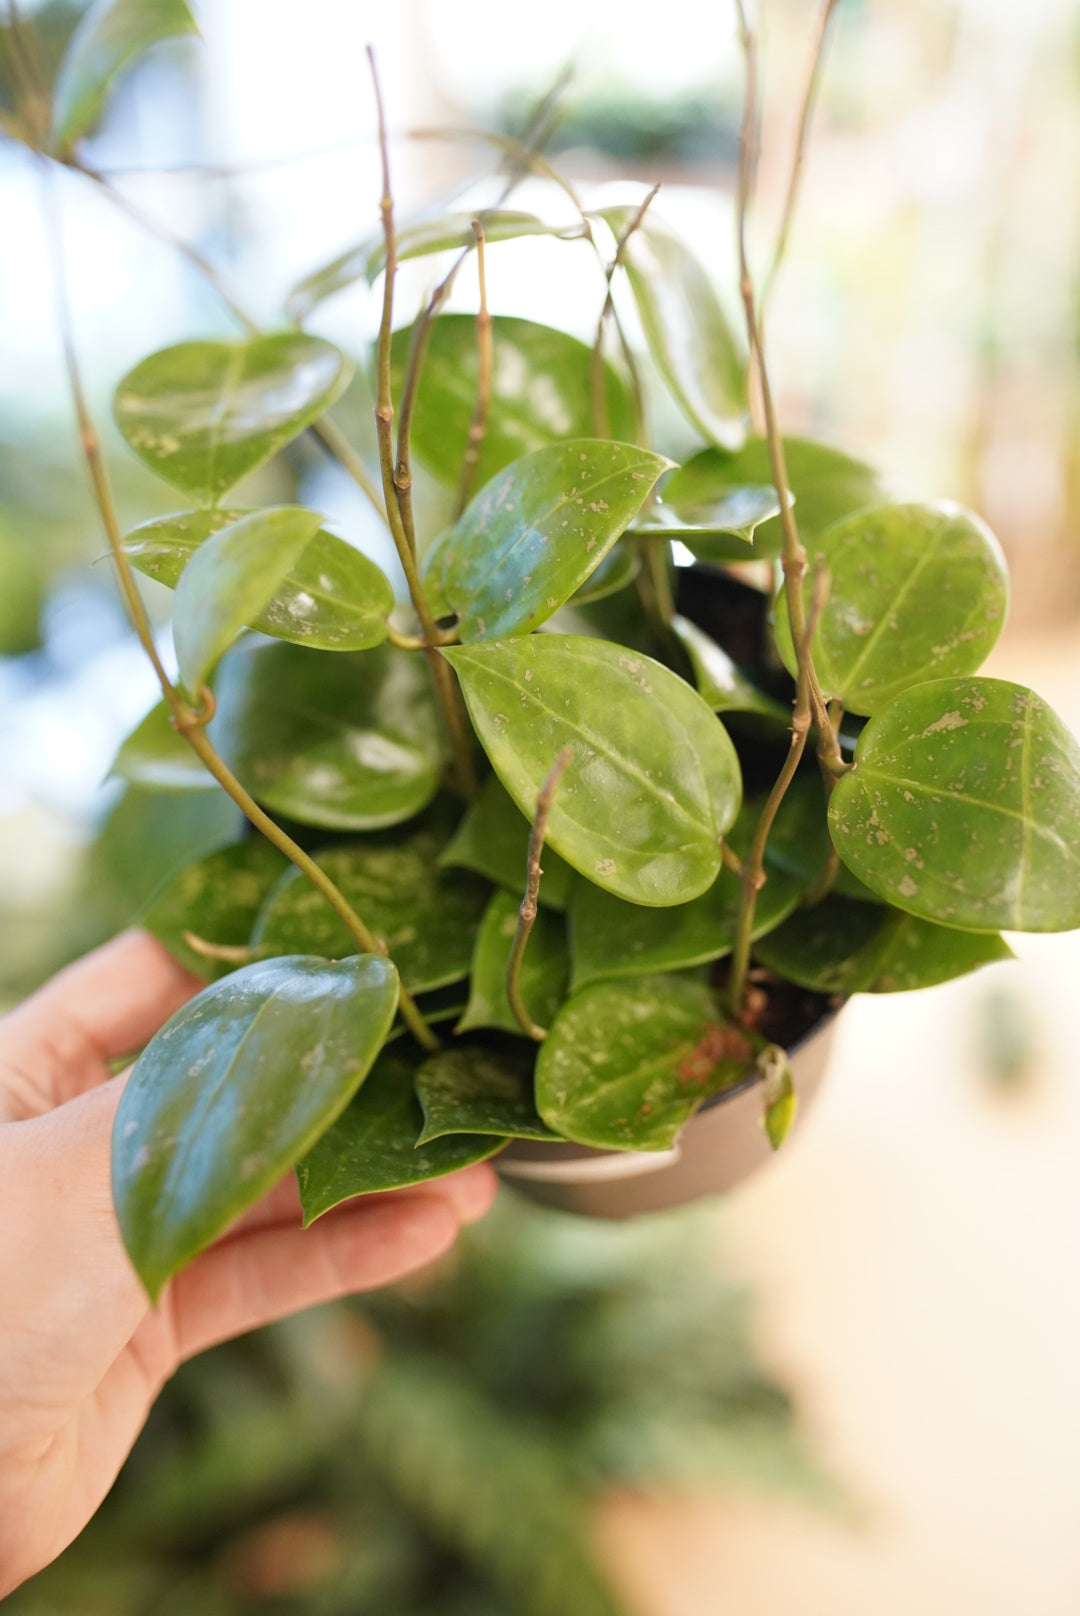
(537, 530)
(231, 1093)
(626, 1064)
(332, 598)
(915, 591)
(349, 741)
(827, 486)
(427, 917)
(653, 782)
(719, 681)
(110, 36)
(841, 946)
(479, 1091)
(781, 1101)
(448, 231)
(685, 327)
(218, 900)
(618, 569)
(545, 969)
(204, 414)
(493, 839)
(155, 755)
(540, 394)
(964, 808)
(150, 836)
(721, 529)
(229, 581)
(373, 1144)
(610, 938)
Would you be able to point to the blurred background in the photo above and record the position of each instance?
(894, 1424)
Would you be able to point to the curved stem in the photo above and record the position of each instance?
(527, 913)
(601, 424)
(478, 424)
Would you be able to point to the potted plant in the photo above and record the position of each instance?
(544, 867)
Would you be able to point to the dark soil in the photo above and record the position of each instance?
(778, 1010)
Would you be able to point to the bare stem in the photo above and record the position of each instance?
(601, 423)
(753, 870)
(188, 721)
(478, 425)
(527, 912)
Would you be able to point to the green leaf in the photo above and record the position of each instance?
(204, 414)
(537, 530)
(540, 393)
(544, 973)
(619, 568)
(428, 918)
(626, 1064)
(374, 1146)
(150, 836)
(781, 1102)
(827, 486)
(229, 581)
(721, 530)
(493, 839)
(719, 681)
(653, 782)
(367, 259)
(218, 900)
(914, 591)
(845, 947)
(154, 754)
(110, 36)
(685, 327)
(479, 1091)
(349, 741)
(332, 598)
(964, 808)
(231, 1093)
(799, 841)
(610, 938)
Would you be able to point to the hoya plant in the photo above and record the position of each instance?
(569, 840)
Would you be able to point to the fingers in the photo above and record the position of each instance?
(60, 1041)
(267, 1273)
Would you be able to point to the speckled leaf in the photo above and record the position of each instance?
(544, 973)
(685, 327)
(626, 1064)
(619, 568)
(373, 1145)
(428, 918)
(610, 938)
(154, 754)
(914, 591)
(493, 839)
(232, 1091)
(719, 530)
(332, 598)
(230, 579)
(349, 741)
(218, 900)
(719, 681)
(653, 782)
(478, 1091)
(844, 947)
(964, 807)
(110, 36)
(537, 530)
(366, 260)
(827, 486)
(204, 414)
(540, 394)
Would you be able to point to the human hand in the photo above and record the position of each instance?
(82, 1353)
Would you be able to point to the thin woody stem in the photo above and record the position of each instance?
(527, 911)
(188, 721)
(478, 425)
(601, 423)
(753, 870)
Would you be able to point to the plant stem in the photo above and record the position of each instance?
(527, 912)
(188, 721)
(478, 425)
(601, 423)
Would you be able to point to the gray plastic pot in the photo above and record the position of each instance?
(719, 1148)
